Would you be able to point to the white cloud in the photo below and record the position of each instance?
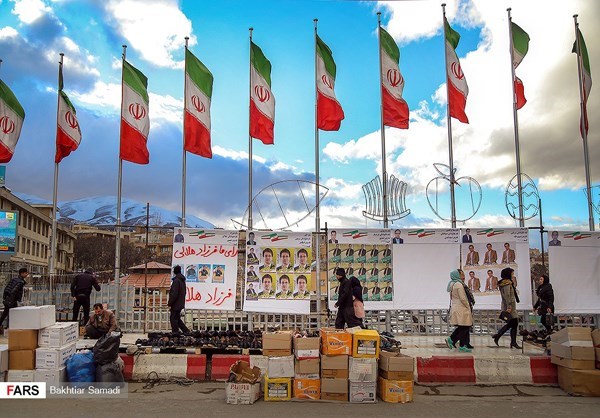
(28, 11)
(77, 60)
(8, 32)
(236, 155)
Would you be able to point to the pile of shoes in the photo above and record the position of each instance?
(389, 342)
(305, 334)
(204, 338)
(539, 337)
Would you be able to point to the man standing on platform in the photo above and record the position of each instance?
(13, 293)
(81, 289)
(176, 301)
(345, 304)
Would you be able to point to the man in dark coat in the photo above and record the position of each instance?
(13, 293)
(176, 301)
(81, 289)
(345, 305)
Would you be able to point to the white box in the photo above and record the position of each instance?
(363, 392)
(262, 362)
(362, 369)
(281, 367)
(242, 393)
(32, 317)
(53, 358)
(20, 376)
(59, 334)
(3, 358)
(52, 377)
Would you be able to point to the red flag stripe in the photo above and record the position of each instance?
(457, 102)
(197, 137)
(133, 145)
(64, 145)
(329, 113)
(261, 127)
(395, 112)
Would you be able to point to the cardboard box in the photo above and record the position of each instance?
(278, 389)
(3, 376)
(396, 391)
(52, 377)
(242, 393)
(575, 336)
(365, 343)
(596, 338)
(22, 339)
(572, 352)
(262, 362)
(335, 342)
(32, 317)
(307, 347)
(59, 334)
(308, 367)
(573, 364)
(597, 350)
(363, 392)
(21, 360)
(307, 389)
(20, 376)
(334, 366)
(277, 343)
(396, 366)
(362, 369)
(281, 367)
(334, 389)
(580, 382)
(244, 373)
(53, 358)
(3, 358)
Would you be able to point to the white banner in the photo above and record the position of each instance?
(575, 271)
(208, 260)
(278, 272)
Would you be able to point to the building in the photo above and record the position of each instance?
(152, 279)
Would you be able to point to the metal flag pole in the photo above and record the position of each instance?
(450, 154)
(384, 176)
(250, 139)
(317, 191)
(53, 240)
(586, 155)
(515, 121)
(119, 191)
(184, 160)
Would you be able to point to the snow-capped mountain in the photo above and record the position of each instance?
(102, 210)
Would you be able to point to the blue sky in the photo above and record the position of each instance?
(90, 33)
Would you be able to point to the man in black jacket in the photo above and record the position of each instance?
(81, 289)
(13, 293)
(345, 304)
(177, 301)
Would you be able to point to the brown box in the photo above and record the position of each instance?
(277, 343)
(334, 389)
(308, 366)
(396, 362)
(596, 338)
(335, 342)
(403, 376)
(572, 352)
(22, 339)
(244, 373)
(307, 389)
(573, 364)
(597, 357)
(21, 360)
(307, 347)
(334, 366)
(581, 382)
(571, 335)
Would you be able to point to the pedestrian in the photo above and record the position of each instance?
(101, 323)
(357, 300)
(461, 314)
(176, 301)
(12, 295)
(345, 305)
(545, 302)
(81, 289)
(509, 304)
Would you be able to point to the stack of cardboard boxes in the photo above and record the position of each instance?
(3, 361)
(574, 353)
(56, 344)
(307, 377)
(596, 341)
(277, 346)
(362, 369)
(396, 376)
(336, 347)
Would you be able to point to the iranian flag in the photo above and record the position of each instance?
(457, 84)
(520, 46)
(395, 109)
(68, 134)
(262, 102)
(329, 111)
(586, 79)
(198, 92)
(11, 122)
(135, 122)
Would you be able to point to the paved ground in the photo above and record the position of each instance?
(208, 399)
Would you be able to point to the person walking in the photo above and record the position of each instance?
(461, 313)
(81, 289)
(345, 305)
(357, 300)
(509, 304)
(176, 301)
(12, 295)
(545, 302)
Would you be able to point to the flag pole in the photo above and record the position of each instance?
(119, 191)
(250, 138)
(383, 154)
(515, 121)
(317, 187)
(586, 156)
(450, 154)
(55, 190)
(184, 160)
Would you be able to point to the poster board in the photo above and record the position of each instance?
(277, 275)
(574, 258)
(208, 260)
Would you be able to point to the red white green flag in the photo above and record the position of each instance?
(457, 84)
(520, 46)
(135, 121)
(586, 79)
(68, 134)
(329, 111)
(11, 122)
(395, 108)
(198, 93)
(262, 102)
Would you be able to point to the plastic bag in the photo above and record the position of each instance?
(110, 372)
(81, 367)
(106, 349)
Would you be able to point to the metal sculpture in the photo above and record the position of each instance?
(530, 197)
(373, 191)
(440, 181)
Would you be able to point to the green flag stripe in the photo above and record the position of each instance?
(325, 53)
(10, 99)
(584, 56)
(452, 36)
(67, 101)
(520, 39)
(388, 45)
(198, 72)
(260, 62)
(136, 80)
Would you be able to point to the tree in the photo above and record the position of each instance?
(99, 254)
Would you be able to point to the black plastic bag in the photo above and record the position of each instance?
(106, 349)
(110, 372)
